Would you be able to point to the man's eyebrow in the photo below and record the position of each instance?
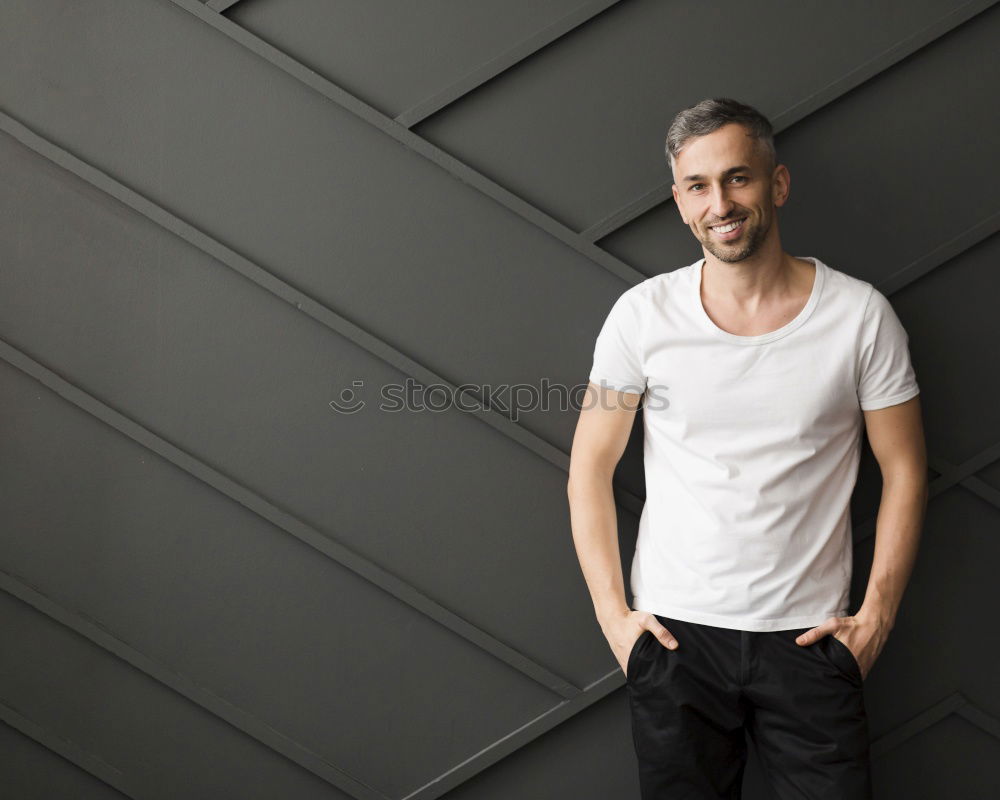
(726, 174)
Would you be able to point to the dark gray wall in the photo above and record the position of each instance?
(214, 218)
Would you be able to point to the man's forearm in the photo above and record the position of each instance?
(595, 536)
(897, 537)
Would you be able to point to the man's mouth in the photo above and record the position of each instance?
(729, 230)
(729, 226)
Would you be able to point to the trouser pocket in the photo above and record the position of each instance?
(630, 663)
(842, 656)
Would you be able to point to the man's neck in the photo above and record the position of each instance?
(762, 279)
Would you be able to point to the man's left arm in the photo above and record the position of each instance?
(896, 436)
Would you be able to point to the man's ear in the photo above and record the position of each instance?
(781, 182)
(677, 195)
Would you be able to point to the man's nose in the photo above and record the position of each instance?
(721, 205)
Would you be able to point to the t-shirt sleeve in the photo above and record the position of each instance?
(885, 373)
(618, 361)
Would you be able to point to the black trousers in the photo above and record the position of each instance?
(694, 707)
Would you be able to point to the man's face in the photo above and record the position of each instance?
(722, 178)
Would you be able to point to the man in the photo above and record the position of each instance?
(758, 369)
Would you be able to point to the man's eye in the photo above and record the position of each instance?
(696, 185)
(739, 178)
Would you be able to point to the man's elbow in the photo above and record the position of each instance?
(584, 475)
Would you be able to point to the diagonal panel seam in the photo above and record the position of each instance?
(523, 50)
(980, 718)
(941, 255)
(518, 738)
(93, 765)
(964, 475)
(953, 703)
(221, 5)
(948, 475)
(982, 490)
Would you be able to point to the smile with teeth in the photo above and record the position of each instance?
(731, 226)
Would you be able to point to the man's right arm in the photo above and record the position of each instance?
(602, 432)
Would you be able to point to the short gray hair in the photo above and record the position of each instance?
(710, 115)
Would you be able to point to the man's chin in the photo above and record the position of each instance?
(729, 255)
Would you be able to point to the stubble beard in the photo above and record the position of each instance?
(753, 237)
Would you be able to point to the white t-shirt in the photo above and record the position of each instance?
(751, 446)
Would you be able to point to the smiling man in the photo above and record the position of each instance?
(759, 371)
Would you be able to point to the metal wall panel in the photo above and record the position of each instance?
(215, 217)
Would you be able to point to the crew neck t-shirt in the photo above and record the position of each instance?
(751, 445)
